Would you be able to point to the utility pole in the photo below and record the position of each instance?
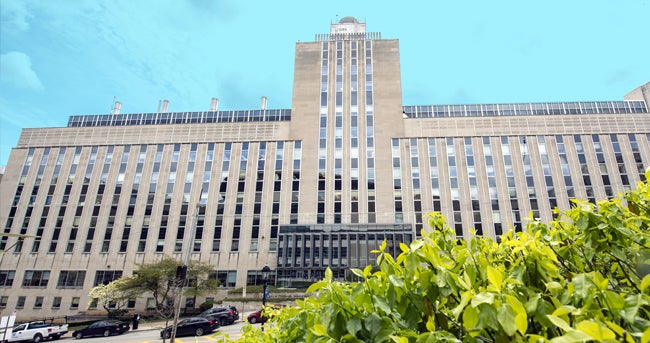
(181, 271)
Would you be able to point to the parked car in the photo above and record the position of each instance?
(36, 332)
(259, 316)
(193, 326)
(102, 328)
(225, 315)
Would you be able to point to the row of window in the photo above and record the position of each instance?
(67, 278)
(105, 202)
(39, 302)
(75, 278)
(347, 36)
(489, 110)
(180, 118)
(58, 302)
(478, 178)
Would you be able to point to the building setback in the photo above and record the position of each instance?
(320, 184)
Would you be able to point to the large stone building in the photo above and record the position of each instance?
(320, 184)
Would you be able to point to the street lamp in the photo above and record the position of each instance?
(266, 273)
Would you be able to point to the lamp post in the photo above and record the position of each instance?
(266, 273)
(181, 271)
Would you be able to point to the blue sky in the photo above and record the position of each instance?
(70, 57)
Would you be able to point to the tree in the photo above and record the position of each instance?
(113, 297)
(159, 280)
(199, 281)
(578, 278)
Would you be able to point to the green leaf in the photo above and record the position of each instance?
(382, 304)
(353, 325)
(563, 310)
(358, 272)
(372, 323)
(495, 277)
(464, 300)
(645, 338)
(328, 274)
(470, 318)
(417, 244)
(382, 247)
(559, 322)
(396, 281)
(618, 330)
(367, 271)
(349, 338)
(316, 286)
(631, 307)
(319, 330)
(483, 298)
(595, 330)
(572, 337)
(521, 318)
(645, 283)
(615, 301)
(506, 317)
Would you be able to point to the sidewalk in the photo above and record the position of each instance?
(151, 325)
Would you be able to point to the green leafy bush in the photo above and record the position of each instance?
(580, 278)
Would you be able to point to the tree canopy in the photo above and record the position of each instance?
(159, 280)
(581, 277)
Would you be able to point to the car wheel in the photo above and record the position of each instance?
(223, 321)
(252, 320)
(78, 335)
(168, 334)
(107, 333)
(199, 332)
(38, 338)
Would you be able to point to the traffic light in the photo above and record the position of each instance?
(181, 273)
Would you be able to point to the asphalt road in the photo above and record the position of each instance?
(148, 333)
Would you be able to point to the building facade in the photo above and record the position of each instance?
(319, 185)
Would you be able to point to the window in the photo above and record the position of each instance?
(71, 279)
(38, 302)
(21, 302)
(3, 301)
(36, 278)
(225, 278)
(151, 304)
(93, 304)
(56, 303)
(130, 304)
(75, 303)
(103, 277)
(189, 302)
(7, 278)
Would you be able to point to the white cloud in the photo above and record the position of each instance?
(14, 15)
(16, 70)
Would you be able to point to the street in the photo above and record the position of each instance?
(148, 334)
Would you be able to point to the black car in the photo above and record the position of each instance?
(225, 315)
(102, 328)
(193, 326)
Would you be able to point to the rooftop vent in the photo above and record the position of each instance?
(116, 108)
